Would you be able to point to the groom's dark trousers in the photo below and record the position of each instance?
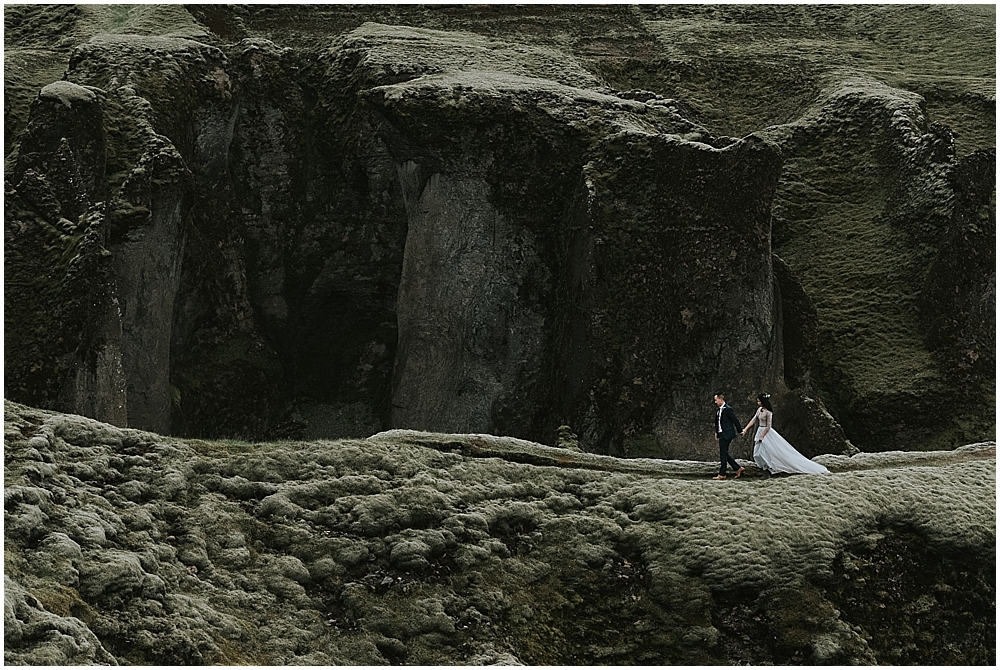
(724, 456)
(728, 422)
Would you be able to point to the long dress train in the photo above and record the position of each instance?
(775, 454)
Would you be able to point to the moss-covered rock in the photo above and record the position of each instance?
(128, 547)
(326, 221)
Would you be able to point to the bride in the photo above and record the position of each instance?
(771, 451)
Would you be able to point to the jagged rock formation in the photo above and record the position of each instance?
(127, 547)
(328, 221)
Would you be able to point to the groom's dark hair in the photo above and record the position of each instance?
(721, 395)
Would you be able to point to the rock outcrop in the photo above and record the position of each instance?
(319, 221)
(127, 547)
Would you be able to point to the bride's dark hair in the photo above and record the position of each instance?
(765, 400)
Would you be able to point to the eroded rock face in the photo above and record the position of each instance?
(677, 288)
(61, 304)
(436, 549)
(329, 221)
(570, 289)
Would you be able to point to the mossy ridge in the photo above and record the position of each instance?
(63, 27)
(26, 67)
(304, 552)
(766, 64)
(523, 451)
(158, 69)
(168, 20)
(529, 453)
(402, 52)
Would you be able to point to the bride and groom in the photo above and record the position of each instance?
(770, 451)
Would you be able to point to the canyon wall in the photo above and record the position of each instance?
(329, 221)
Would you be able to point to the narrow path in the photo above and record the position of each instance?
(530, 453)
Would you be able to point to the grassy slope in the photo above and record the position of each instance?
(858, 267)
(397, 548)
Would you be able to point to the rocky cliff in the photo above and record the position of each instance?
(326, 221)
(125, 547)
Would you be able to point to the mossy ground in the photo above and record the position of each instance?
(384, 551)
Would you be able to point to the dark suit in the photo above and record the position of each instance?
(726, 427)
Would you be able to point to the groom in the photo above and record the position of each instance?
(726, 427)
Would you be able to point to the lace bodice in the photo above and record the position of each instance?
(763, 418)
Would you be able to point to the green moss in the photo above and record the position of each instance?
(567, 439)
(220, 447)
(374, 551)
(64, 601)
(867, 308)
(405, 52)
(124, 149)
(173, 20)
(741, 69)
(26, 71)
(922, 603)
(861, 254)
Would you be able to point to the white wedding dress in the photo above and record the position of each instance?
(774, 454)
